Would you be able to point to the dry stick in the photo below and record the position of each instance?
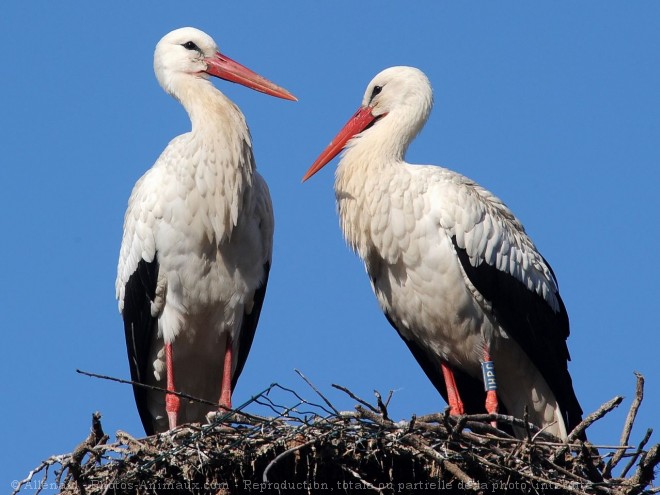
(133, 444)
(645, 472)
(487, 428)
(627, 427)
(289, 452)
(636, 454)
(355, 397)
(150, 387)
(235, 414)
(414, 441)
(389, 397)
(482, 421)
(536, 479)
(528, 431)
(411, 424)
(362, 481)
(438, 430)
(375, 417)
(381, 404)
(96, 437)
(460, 425)
(565, 471)
(595, 416)
(586, 422)
(55, 459)
(317, 391)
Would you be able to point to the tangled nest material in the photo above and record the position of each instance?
(313, 448)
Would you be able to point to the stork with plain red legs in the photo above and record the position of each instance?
(197, 243)
(451, 266)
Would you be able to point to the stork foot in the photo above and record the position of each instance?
(217, 417)
(172, 404)
(225, 401)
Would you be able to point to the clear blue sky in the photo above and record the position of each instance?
(555, 107)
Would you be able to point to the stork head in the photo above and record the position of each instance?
(395, 107)
(189, 52)
(400, 89)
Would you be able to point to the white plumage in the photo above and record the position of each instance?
(197, 243)
(451, 266)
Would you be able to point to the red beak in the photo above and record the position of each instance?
(225, 68)
(355, 125)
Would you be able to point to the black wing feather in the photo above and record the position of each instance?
(536, 327)
(140, 329)
(249, 327)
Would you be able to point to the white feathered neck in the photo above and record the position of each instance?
(217, 151)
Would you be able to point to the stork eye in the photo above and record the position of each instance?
(376, 90)
(189, 45)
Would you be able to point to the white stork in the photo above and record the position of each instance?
(197, 243)
(451, 266)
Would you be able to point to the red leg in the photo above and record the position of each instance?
(172, 402)
(225, 390)
(454, 399)
(490, 385)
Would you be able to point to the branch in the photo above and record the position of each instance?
(355, 397)
(594, 416)
(645, 472)
(317, 391)
(586, 422)
(637, 453)
(627, 427)
(149, 387)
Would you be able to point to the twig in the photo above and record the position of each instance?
(287, 453)
(317, 391)
(375, 417)
(381, 405)
(149, 387)
(390, 394)
(636, 454)
(355, 397)
(414, 441)
(361, 480)
(411, 424)
(528, 432)
(52, 460)
(133, 444)
(645, 472)
(594, 416)
(96, 437)
(482, 422)
(627, 427)
(537, 479)
(586, 422)
(460, 424)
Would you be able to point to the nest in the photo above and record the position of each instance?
(307, 447)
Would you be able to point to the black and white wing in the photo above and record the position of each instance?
(503, 265)
(140, 300)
